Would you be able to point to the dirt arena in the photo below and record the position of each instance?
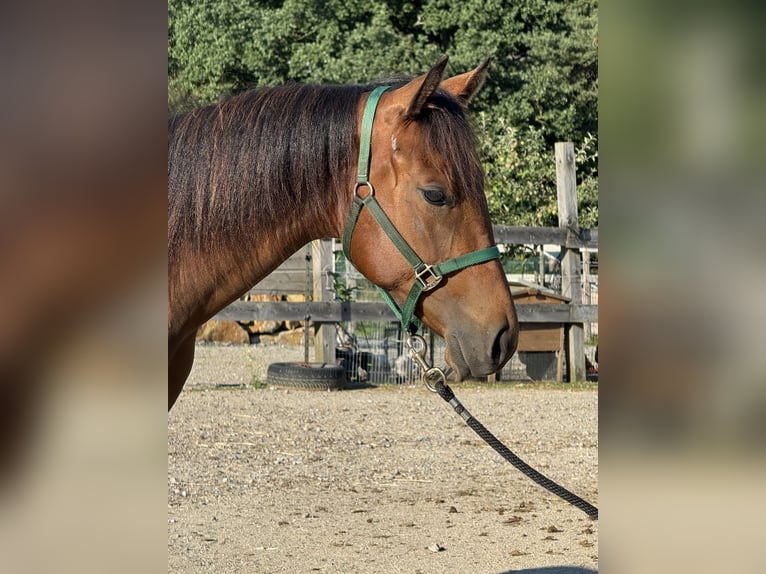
(382, 480)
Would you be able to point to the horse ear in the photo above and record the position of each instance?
(424, 87)
(465, 86)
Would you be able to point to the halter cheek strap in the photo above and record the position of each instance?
(427, 277)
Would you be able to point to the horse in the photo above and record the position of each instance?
(254, 177)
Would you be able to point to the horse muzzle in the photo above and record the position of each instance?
(481, 352)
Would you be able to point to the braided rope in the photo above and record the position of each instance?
(445, 392)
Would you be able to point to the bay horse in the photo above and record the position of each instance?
(255, 177)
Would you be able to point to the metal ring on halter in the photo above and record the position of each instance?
(419, 356)
(433, 374)
(417, 344)
(364, 183)
(412, 340)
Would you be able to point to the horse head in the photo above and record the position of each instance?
(426, 177)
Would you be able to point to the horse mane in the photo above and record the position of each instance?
(256, 157)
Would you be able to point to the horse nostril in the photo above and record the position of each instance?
(500, 346)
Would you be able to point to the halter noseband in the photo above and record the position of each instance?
(427, 277)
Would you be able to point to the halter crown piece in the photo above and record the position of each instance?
(427, 277)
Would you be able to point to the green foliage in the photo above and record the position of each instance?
(586, 159)
(542, 86)
(342, 291)
(226, 46)
(256, 383)
(521, 175)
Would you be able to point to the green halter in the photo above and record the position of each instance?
(427, 277)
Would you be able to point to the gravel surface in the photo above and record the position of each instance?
(381, 480)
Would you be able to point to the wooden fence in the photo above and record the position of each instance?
(324, 311)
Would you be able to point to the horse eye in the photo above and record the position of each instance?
(434, 196)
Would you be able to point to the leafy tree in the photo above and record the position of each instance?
(521, 175)
(220, 47)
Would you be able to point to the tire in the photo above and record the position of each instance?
(310, 376)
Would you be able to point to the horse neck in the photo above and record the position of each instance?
(268, 246)
(208, 280)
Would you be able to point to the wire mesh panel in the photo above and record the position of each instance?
(375, 353)
(369, 351)
(540, 366)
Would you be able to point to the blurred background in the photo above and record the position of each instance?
(683, 414)
(83, 290)
(677, 186)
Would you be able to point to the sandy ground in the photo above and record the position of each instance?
(381, 480)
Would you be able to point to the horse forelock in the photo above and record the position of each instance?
(452, 147)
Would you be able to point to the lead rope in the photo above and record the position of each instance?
(435, 380)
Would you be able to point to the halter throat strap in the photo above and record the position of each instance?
(427, 277)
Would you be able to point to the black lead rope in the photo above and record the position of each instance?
(446, 393)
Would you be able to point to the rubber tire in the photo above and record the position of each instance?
(310, 376)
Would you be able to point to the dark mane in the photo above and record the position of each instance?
(257, 157)
(254, 158)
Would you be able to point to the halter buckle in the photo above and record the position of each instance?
(427, 277)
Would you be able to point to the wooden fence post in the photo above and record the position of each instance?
(586, 294)
(571, 275)
(324, 333)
